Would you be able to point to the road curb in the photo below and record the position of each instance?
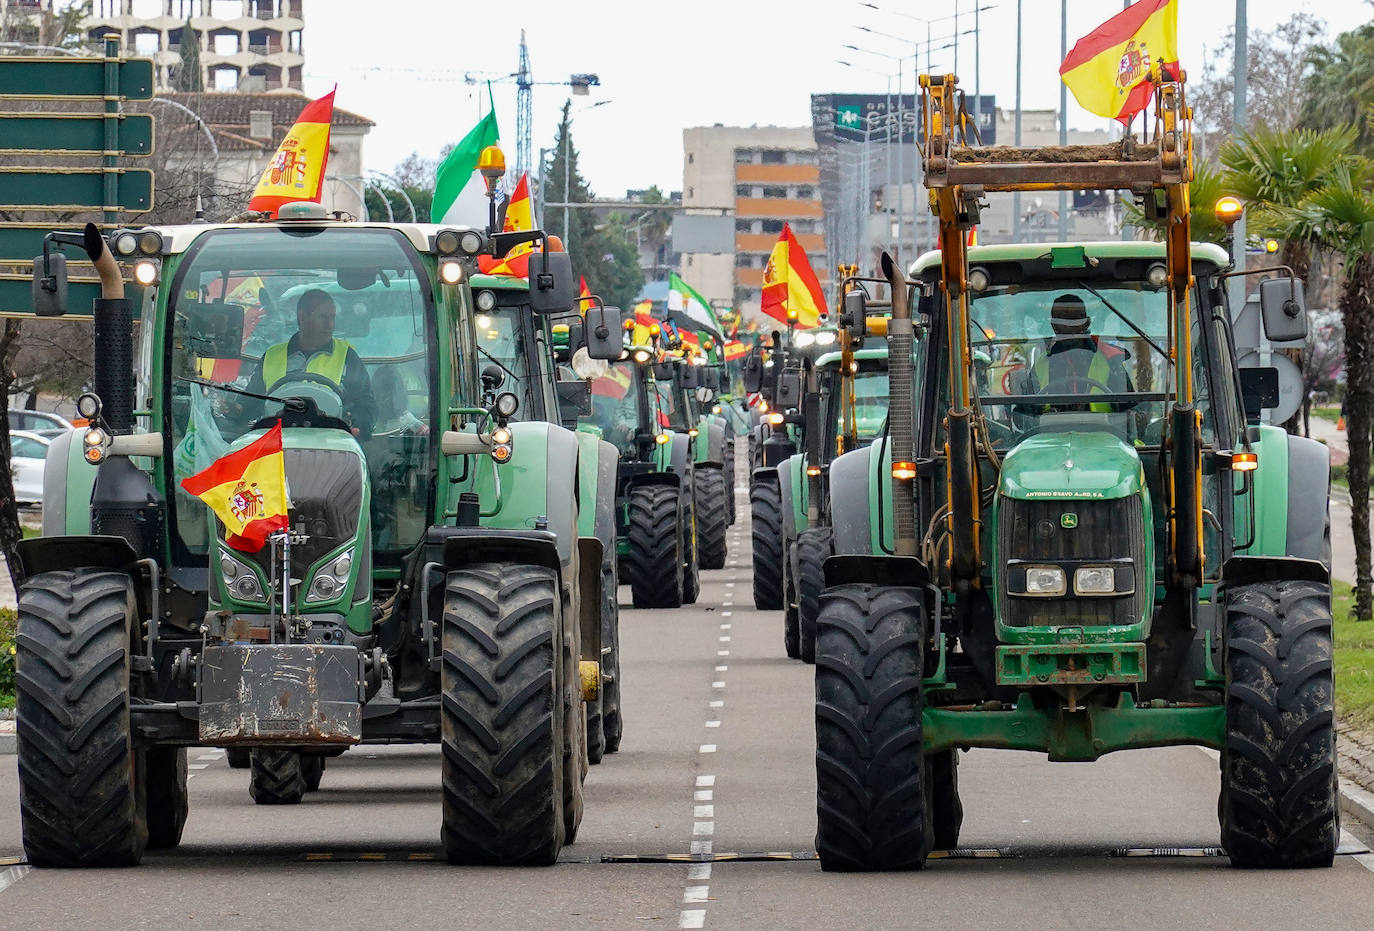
(1358, 803)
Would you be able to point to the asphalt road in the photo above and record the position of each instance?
(360, 852)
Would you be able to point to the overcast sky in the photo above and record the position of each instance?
(666, 66)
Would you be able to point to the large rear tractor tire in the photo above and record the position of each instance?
(276, 776)
(79, 796)
(502, 716)
(1278, 768)
(729, 474)
(654, 562)
(237, 757)
(312, 770)
(575, 761)
(870, 770)
(713, 517)
(946, 808)
(765, 514)
(791, 629)
(812, 549)
(168, 802)
(612, 724)
(691, 565)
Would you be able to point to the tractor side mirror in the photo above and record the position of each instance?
(577, 336)
(663, 371)
(711, 378)
(214, 331)
(1283, 310)
(574, 400)
(552, 287)
(1259, 388)
(855, 310)
(753, 372)
(50, 290)
(691, 377)
(789, 392)
(602, 332)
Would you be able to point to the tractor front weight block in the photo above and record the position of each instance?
(286, 693)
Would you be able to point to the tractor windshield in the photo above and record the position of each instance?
(672, 402)
(615, 407)
(1073, 354)
(341, 316)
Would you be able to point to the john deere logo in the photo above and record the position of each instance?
(1068, 520)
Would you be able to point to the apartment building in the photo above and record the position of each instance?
(245, 45)
(762, 177)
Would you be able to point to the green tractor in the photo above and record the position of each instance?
(778, 382)
(844, 404)
(519, 349)
(1075, 537)
(637, 408)
(427, 586)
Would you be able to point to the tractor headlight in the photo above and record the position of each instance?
(124, 243)
(145, 273)
(825, 337)
(803, 340)
(1045, 580)
(486, 300)
(450, 271)
(240, 580)
(332, 579)
(1093, 580)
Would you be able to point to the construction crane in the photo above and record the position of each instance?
(581, 85)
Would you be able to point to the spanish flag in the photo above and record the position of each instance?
(1108, 70)
(734, 349)
(643, 326)
(247, 491)
(583, 292)
(296, 172)
(791, 293)
(519, 216)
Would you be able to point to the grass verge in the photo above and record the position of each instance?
(1354, 660)
(7, 619)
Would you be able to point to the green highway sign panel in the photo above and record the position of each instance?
(75, 189)
(20, 242)
(16, 298)
(73, 77)
(74, 133)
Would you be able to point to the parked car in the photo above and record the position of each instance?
(38, 421)
(28, 452)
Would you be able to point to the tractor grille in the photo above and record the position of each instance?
(326, 489)
(1034, 530)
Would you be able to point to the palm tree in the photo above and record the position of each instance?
(1340, 89)
(1340, 216)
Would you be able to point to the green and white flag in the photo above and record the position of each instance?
(460, 195)
(684, 300)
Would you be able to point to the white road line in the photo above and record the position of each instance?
(701, 846)
(717, 704)
(12, 875)
(694, 894)
(208, 756)
(706, 780)
(703, 795)
(692, 918)
(724, 626)
(722, 668)
(197, 765)
(725, 638)
(704, 828)
(699, 871)
(726, 613)
(729, 584)
(717, 685)
(707, 748)
(713, 724)
(722, 652)
(704, 811)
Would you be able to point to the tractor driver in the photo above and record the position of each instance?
(315, 350)
(1076, 361)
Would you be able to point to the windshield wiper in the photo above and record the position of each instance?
(291, 404)
(497, 362)
(1124, 319)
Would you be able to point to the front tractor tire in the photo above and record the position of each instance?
(813, 547)
(502, 716)
(654, 563)
(1278, 767)
(713, 517)
(765, 515)
(79, 791)
(871, 795)
(276, 776)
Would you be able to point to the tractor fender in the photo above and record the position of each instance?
(49, 554)
(792, 487)
(596, 463)
(849, 502)
(764, 474)
(1242, 570)
(845, 569)
(715, 442)
(653, 478)
(464, 546)
(1309, 498)
(680, 454)
(590, 555)
(607, 465)
(539, 483)
(67, 477)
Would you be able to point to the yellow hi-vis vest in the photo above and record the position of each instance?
(1099, 370)
(329, 364)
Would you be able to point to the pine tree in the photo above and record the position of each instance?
(188, 76)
